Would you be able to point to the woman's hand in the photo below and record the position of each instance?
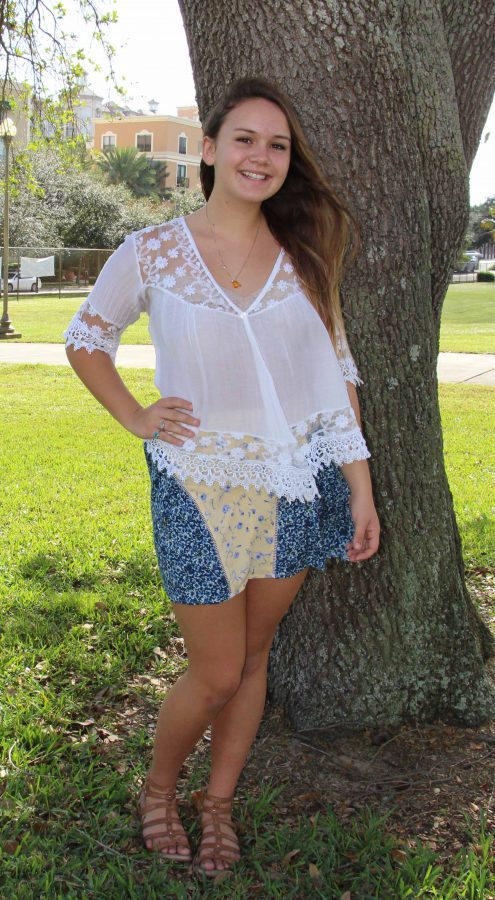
(366, 527)
(165, 419)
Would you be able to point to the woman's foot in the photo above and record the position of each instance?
(219, 847)
(162, 828)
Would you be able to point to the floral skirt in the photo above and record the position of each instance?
(210, 540)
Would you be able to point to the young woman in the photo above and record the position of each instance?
(257, 461)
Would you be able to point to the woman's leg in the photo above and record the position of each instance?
(215, 639)
(235, 725)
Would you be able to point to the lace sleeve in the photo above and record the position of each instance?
(88, 330)
(116, 301)
(346, 361)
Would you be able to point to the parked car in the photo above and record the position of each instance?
(467, 268)
(30, 283)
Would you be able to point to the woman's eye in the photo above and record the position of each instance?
(244, 139)
(279, 146)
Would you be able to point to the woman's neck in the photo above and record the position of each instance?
(235, 218)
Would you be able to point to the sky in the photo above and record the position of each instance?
(152, 63)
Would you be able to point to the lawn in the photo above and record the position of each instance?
(468, 319)
(88, 647)
(44, 319)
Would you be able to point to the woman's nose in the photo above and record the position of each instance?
(259, 152)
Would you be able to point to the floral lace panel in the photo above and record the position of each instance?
(287, 470)
(84, 334)
(349, 370)
(346, 361)
(168, 260)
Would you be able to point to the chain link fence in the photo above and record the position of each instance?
(75, 268)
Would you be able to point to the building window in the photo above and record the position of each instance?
(182, 143)
(108, 141)
(182, 180)
(143, 143)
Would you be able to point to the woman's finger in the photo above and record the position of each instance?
(177, 415)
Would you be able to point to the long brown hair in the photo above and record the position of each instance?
(305, 215)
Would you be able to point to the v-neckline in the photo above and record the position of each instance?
(267, 285)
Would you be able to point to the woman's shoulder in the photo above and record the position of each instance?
(155, 240)
(160, 231)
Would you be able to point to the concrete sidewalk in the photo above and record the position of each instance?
(457, 368)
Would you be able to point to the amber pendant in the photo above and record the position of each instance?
(235, 283)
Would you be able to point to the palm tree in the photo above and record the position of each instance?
(125, 165)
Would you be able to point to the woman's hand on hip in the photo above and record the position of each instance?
(166, 419)
(366, 537)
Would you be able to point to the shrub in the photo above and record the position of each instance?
(485, 276)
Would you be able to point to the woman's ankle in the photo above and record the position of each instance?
(160, 779)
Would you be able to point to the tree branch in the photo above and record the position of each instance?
(470, 34)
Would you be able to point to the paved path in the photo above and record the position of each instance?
(459, 368)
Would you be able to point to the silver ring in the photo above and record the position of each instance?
(161, 424)
(155, 434)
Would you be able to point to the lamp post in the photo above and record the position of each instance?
(7, 132)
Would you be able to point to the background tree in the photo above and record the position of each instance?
(481, 228)
(394, 96)
(58, 201)
(42, 59)
(143, 176)
(185, 200)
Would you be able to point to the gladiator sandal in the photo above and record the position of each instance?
(160, 821)
(219, 840)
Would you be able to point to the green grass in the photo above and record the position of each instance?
(468, 421)
(44, 319)
(468, 319)
(82, 614)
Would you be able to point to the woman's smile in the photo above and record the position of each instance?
(253, 144)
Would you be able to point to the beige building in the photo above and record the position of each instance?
(176, 140)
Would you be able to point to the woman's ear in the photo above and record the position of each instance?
(208, 150)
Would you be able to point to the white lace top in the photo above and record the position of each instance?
(263, 376)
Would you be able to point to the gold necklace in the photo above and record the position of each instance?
(234, 279)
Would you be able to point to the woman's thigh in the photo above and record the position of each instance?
(267, 601)
(214, 634)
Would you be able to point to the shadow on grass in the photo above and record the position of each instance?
(59, 571)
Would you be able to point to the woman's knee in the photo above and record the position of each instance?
(217, 686)
(256, 661)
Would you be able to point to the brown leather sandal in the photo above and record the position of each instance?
(219, 840)
(160, 820)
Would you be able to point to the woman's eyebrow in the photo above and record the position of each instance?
(251, 131)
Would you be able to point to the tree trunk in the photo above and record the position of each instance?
(393, 95)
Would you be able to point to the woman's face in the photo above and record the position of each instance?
(251, 153)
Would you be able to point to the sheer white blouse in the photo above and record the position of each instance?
(263, 377)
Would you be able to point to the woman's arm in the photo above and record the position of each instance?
(357, 474)
(98, 373)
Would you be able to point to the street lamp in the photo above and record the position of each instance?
(8, 131)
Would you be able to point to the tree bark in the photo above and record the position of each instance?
(393, 95)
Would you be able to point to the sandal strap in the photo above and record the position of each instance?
(217, 803)
(167, 825)
(153, 789)
(216, 842)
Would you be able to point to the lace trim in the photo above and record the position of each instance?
(81, 335)
(289, 482)
(168, 260)
(286, 470)
(349, 370)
